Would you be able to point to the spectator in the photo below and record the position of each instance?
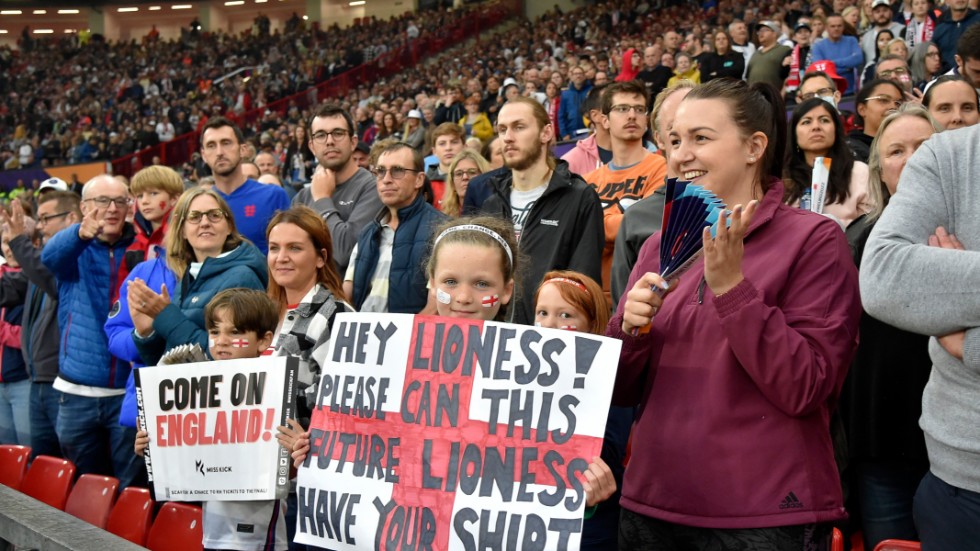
(631, 66)
(842, 50)
(952, 102)
(298, 167)
(926, 64)
(466, 165)
(384, 274)
(86, 258)
(569, 112)
(723, 61)
(816, 130)
(596, 150)
(686, 69)
(655, 75)
(769, 64)
(206, 254)
(165, 130)
(252, 204)
(739, 33)
(566, 229)
(39, 325)
(945, 506)
(447, 142)
(414, 132)
(829, 86)
(267, 163)
(15, 383)
(968, 56)
(957, 18)
(633, 173)
(475, 123)
(881, 17)
(896, 69)
(789, 255)
(342, 193)
(886, 449)
(876, 100)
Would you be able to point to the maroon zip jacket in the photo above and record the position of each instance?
(736, 392)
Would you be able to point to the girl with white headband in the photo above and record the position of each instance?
(472, 266)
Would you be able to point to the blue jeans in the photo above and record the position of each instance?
(15, 413)
(95, 442)
(948, 518)
(45, 403)
(885, 491)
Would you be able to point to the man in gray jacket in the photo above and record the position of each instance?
(344, 194)
(36, 288)
(936, 291)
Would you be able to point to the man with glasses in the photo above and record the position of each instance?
(86, 258)
(896, 69)
(385, 272)
(253, 204)
(557, 216)
(37, 289)
(343, 193)
(633, 173)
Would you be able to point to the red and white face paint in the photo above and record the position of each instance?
(443, 297)
(489, 301)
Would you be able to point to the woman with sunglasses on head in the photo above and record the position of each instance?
(876, 100)
(207, 255)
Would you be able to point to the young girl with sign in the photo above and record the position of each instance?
(575, 302)
(240, 324)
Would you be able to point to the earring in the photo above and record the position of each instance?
(751, 159)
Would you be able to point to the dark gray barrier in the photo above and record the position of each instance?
(28, 523)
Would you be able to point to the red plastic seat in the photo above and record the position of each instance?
(131, 515)
(92, 497)
(898, 545)
(178, 527)
(49, 480)
(13, 465)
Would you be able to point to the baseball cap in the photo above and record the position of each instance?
(415, 114)
(829, 67)
(56, 184)
(802, 25)
(877, 3)
(771, 25)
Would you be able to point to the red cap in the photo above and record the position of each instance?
(829, 67)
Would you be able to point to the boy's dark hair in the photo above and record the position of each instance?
(634, 87)
(968, 46)
(250, 310)
(221, 122)
(329, 110)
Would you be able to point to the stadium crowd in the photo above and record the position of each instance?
(828, 362)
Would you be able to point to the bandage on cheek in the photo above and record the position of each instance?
(443, 296)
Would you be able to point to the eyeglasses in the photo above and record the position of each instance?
(397, 172)
(337, 134)
(624, 109)
(886, 100)
(932, 54)
(121, 202)
(469, 173)
(818, 93)
(214, 216)
(43, 220)
(897, 71)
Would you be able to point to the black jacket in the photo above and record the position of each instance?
(563, 231)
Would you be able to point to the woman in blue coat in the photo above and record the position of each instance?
(207, 255)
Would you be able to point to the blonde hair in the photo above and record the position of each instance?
(159, 177)
(878, 193)
(179, 251)
(452, 203)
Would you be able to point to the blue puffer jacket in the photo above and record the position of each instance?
(182, 321)
(119, 326)
(87, 272)
(407, 293)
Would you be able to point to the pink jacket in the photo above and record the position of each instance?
(584, 157)
(736, 392)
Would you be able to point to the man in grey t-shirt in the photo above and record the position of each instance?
(344, 194)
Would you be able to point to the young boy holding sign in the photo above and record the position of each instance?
(240, 324)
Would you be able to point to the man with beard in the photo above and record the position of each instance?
(557, 216)
(85, 259)
(253, 204)
(343, 193)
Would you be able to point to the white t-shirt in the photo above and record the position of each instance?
(245, 525)
(521, 203)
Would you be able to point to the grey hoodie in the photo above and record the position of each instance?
(933, 291)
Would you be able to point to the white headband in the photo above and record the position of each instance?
(482, 229)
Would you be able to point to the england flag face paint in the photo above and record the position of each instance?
(239, 343)
(443, 296)
(490, 301)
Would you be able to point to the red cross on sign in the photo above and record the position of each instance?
(480, 437)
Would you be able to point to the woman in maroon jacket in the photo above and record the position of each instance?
(739, 374)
